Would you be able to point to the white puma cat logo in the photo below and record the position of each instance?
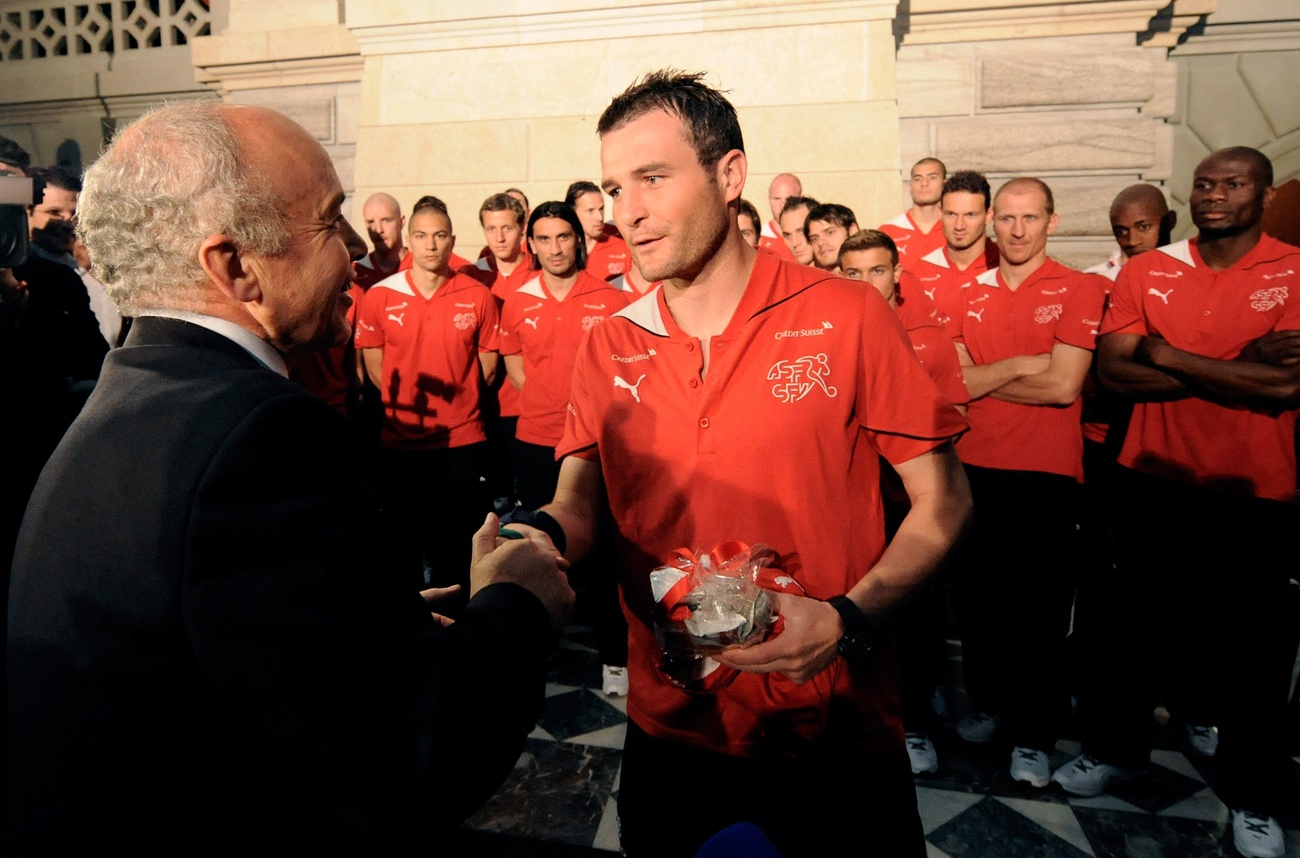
(1163, 296)
(397, 317)
(979, 317)
(631, 388)
(531, 322)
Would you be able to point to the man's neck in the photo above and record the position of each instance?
(966, 257)
(925, 216)
(1015, 275)
(386, 261)
(506, 267)
(703, 306)
(591, 243)
(428, 282)
(559, 286)
(1220, 252)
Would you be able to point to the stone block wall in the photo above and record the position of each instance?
(1087, 114)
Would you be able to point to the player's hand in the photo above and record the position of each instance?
(531, 562)
(435, 596)
(804, 648)
(1276, 348)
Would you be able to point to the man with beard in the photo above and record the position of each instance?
(966, 212)
(1204, 337)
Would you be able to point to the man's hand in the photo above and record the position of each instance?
(434, 596)
(805, 646)
(531, 562)
(1276, 348)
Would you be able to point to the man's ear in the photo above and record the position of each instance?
(225, 267)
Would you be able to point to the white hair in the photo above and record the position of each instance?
(167, 182)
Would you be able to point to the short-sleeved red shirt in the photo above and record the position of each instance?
(368, 272)
(933, 347)
(1170, 293)
(431, 375)
(1053, 305)
(547, 332)
(485, 271)
(778, 444)
(941, 281)
(610, 257)
(330, 373)
(911, 242)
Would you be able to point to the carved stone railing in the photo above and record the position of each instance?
(33, 29)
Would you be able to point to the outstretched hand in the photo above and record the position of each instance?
(531, 562)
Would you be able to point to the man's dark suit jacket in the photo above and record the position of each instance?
(207, 652)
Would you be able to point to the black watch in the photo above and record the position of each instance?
(859, 630)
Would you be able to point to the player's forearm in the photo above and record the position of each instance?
(938, 516)
(1119, 371)
(1054, 387)
(579, 495)
(1235, 384)
(983, 379)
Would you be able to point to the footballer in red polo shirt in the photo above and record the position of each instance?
(1203, 336)
(428, 338)
(748, 398)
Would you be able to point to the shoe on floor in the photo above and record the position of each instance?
(1031, 767)
(1203, 738)
(938, 704)
(613, 680)
(1257, 836)
(1087, 776)
(921, 753)
(978, 728)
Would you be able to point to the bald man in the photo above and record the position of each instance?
(384, 223)
(1141, 221)
(205, 631)
(782, 188)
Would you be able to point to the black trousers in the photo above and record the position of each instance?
(1201, 602)
(672, 797)
(1013, 585)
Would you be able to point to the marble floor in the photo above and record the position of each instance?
(561, 798)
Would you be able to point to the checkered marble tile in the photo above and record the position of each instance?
(561, 799)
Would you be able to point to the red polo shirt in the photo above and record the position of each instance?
(431, 375)
(911, 242)
(778, 443)
(941, 280)
(1170, 293)
(1053, 305)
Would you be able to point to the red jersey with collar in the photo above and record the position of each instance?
(369, 273)
(941, 280)
(769, 238)
(911, 242)
(1170, 293)
(431, 375)
(331, 373)
(486, 272)
(547, 332)
(609, 257)
(1053, 305)
(777, 443)
(932, 346)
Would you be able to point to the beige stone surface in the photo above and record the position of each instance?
(1164, 80)
(487, 152)
(935, 86)
(249, 15)
(1272, 77)
(1048, 143)
(1038, 80)
(562, 150)
(822, 138)
(1215, 83)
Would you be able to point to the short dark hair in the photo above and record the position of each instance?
(57, 177)
(429, 202)
(870, 239)
(943, 168)
(520, 193)
(792, 203)
(1253, 156)
(578, 189)
(833, 213)
(502, 202)
(968, 182)
(566, 213)
(712, 127)
(1021, 182)
(747, 208)
(14, 155)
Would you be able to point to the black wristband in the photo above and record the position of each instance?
(543, 521)
(859, 630)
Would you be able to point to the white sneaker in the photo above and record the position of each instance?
(1087, 776)
(613, 680)
(1030, 766)
(1257, 836)
(921, 752)
(1203, 738)
(978, 728)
